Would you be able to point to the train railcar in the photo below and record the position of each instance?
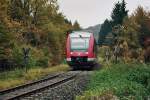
(81, 50)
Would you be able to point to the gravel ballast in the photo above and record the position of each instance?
(66, 91)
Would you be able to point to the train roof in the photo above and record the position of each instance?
(80, 33)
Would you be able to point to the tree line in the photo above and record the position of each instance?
(34, 24)
(130, 32)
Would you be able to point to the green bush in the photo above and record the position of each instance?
(124, 81)
(17, 55)
(43, 62)
(140, 74)
(32, 62)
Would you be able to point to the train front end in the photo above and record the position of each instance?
(81, 49)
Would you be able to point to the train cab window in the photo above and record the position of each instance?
(79, 44)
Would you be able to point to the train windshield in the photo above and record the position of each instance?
(79, 44)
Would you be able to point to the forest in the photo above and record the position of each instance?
(32, 33)
(131, 33)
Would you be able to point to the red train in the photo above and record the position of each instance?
(81, 50)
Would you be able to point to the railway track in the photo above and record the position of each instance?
(37, 86)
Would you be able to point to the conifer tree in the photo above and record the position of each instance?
(119, 13)
(124, 12)
(76, 26)
(106, 27)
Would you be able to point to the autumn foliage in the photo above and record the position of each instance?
(34, 24)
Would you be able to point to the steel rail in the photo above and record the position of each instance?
(21, 91)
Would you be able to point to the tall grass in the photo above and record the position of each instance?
(21, 76)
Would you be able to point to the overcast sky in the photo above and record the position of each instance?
(92, 12)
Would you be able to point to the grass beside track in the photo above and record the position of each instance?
(122, 81)
(20, 76)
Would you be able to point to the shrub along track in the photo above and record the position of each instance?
(37, 86)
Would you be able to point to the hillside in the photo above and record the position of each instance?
(94, 29)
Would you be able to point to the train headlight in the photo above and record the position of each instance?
(91, 59)
(71, 53)
(86, 53)
(68, 59)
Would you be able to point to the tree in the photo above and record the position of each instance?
(136, 27)
(124, 12)
(119, 12)
(15, 10)
(116, 18)
(118, 15)
(43, 11)
(142, 19)
(106, 27)
(76, 26)
(3, 9)
(4, 42)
